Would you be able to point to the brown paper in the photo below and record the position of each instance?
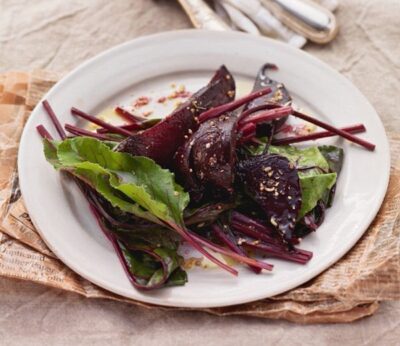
(347, 291)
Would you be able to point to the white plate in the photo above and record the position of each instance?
(62, 216)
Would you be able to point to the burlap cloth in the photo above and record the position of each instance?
(349, 290)
(57, 35)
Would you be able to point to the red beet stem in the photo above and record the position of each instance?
(231, 245)
(190, 238)
(271, 245)
(128, 116)
(227, 107)
(243, 219)
(44, 133)
(268, 115)
(114, 241)
(54, 119)
(82, 132)
(100, 122)
(247, 138)
(264, 241)
(253, 233)
(335, 130)
(296, 255)
(129, 127)
(317, 135)
(247, 129)
(259, 108)
(217, 248)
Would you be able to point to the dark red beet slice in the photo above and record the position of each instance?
(279, 93)
(184, 171)
(207, 160)
(273, 182)
(213, 152)
(161, 141)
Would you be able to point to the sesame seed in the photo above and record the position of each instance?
(273, 222)
(231, 93)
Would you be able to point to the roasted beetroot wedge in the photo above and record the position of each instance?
(279, 93)
(161, 141)
(184, 171)
(213, 152)
(273, 182)
(207, 160)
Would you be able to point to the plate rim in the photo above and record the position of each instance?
(193, 32)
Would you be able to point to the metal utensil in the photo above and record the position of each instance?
(202, 16)
(311, 15)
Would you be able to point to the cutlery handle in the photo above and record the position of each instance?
(305, 17)
(304, 11)
(202, 16)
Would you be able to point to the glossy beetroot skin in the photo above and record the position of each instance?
(273, 182)
(161, 141)
(278, 95)
(207, 160)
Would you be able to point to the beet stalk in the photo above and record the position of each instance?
(219, 233)
(228, 107)
(128, 116)
(317, 135)
(44, 133)
(243, 219)
(242, 259)
(247, 129)
(295, 255)
(129, 127)
(252, 232)
(100, 122)
(54, 119)
(82, 132)
(269, 115)
(191, 239)
(255, 109)
(335, 130)
(247, 138)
